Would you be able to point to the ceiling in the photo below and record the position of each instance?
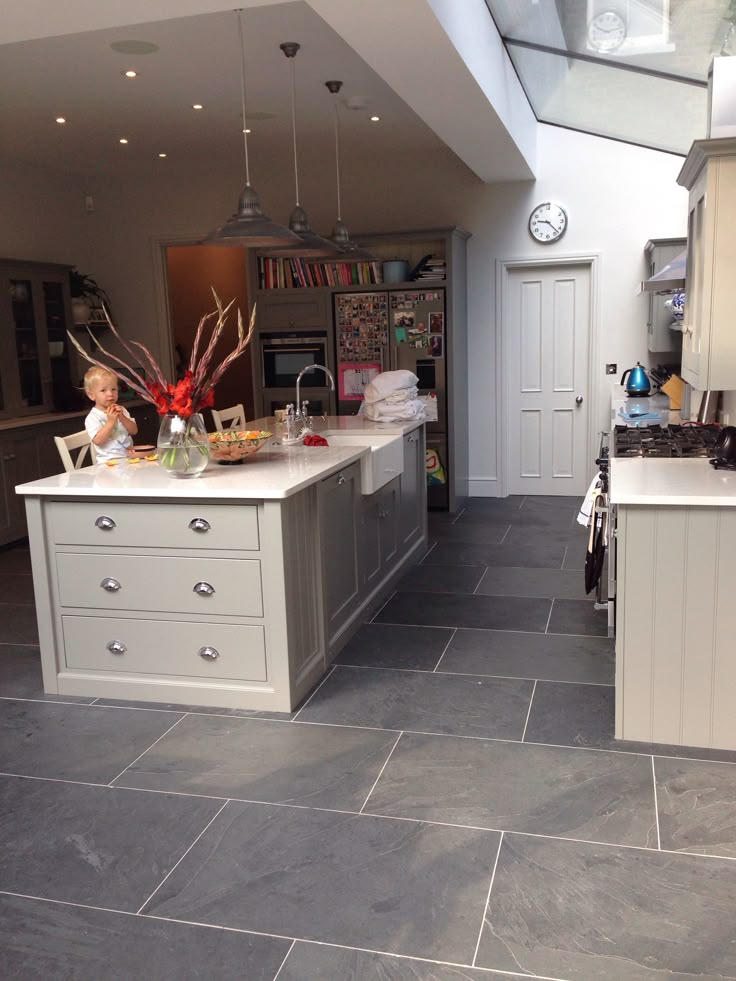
(78, 76)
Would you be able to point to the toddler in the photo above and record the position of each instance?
(109, 425)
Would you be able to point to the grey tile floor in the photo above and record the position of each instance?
(449, 803)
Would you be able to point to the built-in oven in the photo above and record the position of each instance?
(285, 353)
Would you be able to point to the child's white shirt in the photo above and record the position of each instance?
(120, 439)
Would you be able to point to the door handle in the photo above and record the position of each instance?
(579, 400)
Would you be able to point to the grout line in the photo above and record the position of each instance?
(656, 805)
(94, 701)
(488, 899)
(284, 960)
(78, 783)
(396, 743)
(328, 675)
(529, 710)
(477, 585)
(146, 750)
(382, 606)
(461, 512)
(10, 643)
(452, 637)
(65, 902)
(466, 674)
(523, 502)
(550, 615)
(563, 558)
(508, 529)
(173, 867)
(428, 552)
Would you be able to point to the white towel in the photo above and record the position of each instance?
(397, 412)
(586, 508)
(389, 382)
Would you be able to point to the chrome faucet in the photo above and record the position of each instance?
(301, 407)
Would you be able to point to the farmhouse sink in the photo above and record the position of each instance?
(385, 461)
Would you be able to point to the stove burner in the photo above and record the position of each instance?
(664, 441)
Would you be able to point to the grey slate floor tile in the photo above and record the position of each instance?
(20, 675)
(440, 579)
(568, 537)
(313, 962)
(539, 556)
(388, 645)
(16, 559)
(315, 766)
(514, 654)
(575, 616)
(697, 806)
(47, 940)
(566, 793)
(584, 715)
(458, 610)
(74, 742)
(420, 701)
(93, 845)
(195, 709)
(580, 911)
(359, 881)
(549, 583)
(470, 532)
(16, 588)
(19, 624)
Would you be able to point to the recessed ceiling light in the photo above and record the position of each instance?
(245, 131)
(162, 154)
(375, 119)
(123, 140)
(60, 119)
(130, 73)
(197, 105)
(134, 47)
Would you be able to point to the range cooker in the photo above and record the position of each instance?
(664, 441)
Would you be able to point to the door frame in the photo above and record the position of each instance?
(503, 269)
(159, 244)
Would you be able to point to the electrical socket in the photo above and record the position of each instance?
(611, 369)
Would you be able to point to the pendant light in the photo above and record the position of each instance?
(350, 251)
(248, 226)
(310, 245)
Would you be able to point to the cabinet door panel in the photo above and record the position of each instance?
(371, 540)
(388, 522)
(339, 515)
(410, 521)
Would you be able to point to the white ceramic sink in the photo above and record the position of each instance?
(385, 461)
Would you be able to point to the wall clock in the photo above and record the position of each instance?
(606, 31)
(547, 223)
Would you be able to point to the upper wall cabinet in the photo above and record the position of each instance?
(660, 336)
(36, 364)
(708, 339)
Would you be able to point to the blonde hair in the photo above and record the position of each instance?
(95, 374)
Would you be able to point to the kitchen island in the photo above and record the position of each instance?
(235, 589)
(675, 602)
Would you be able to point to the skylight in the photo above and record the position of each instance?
(632, 70)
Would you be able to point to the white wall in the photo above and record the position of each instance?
(617, 196)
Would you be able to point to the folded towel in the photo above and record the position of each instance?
(586, 508)
(403, 395)
(389, 382)
(398, 412)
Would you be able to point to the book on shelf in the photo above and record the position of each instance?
(288, 273)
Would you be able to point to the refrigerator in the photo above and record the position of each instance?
(384, 330)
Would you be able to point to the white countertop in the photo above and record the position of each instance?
(683, 483)
(274, 472)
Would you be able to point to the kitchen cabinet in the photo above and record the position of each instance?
(412, 517)
(380, 538)
(19, 463)
(660, 336)
(709, 342)
(340, 531)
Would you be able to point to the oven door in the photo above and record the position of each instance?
(284, 356)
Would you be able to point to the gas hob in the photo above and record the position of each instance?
(679, 442)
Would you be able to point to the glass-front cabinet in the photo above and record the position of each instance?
(37, 366)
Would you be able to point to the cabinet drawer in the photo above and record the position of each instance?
(158, 525)
(165, 647)
(161, 584)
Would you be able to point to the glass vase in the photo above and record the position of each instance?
(183, 445)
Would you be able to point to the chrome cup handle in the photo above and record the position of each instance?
(110, 585)
(208, 653)
(104, 523)
(116, 647)
(203, 589)
(199, 524)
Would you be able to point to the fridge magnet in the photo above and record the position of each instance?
(405, 318)
(435, 471)
(400, 333)
(436, 347)
(352, 379)
(436, 323)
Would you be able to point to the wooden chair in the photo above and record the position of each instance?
(77, 441)
(232, 418)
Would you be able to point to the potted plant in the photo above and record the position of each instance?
(83, 288)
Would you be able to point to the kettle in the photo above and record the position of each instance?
(638, 383)
(724, 448)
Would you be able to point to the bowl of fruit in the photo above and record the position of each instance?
(235, 445)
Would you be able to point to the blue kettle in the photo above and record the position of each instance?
(638, 384)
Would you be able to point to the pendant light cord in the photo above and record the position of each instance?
(242, 96)
(337, 155)
(292, 66)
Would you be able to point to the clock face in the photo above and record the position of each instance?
(606, 31)
(547, 223)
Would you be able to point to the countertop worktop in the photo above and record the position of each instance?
(683, 483)
(274, 472)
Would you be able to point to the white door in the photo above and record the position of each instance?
(547, 330)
